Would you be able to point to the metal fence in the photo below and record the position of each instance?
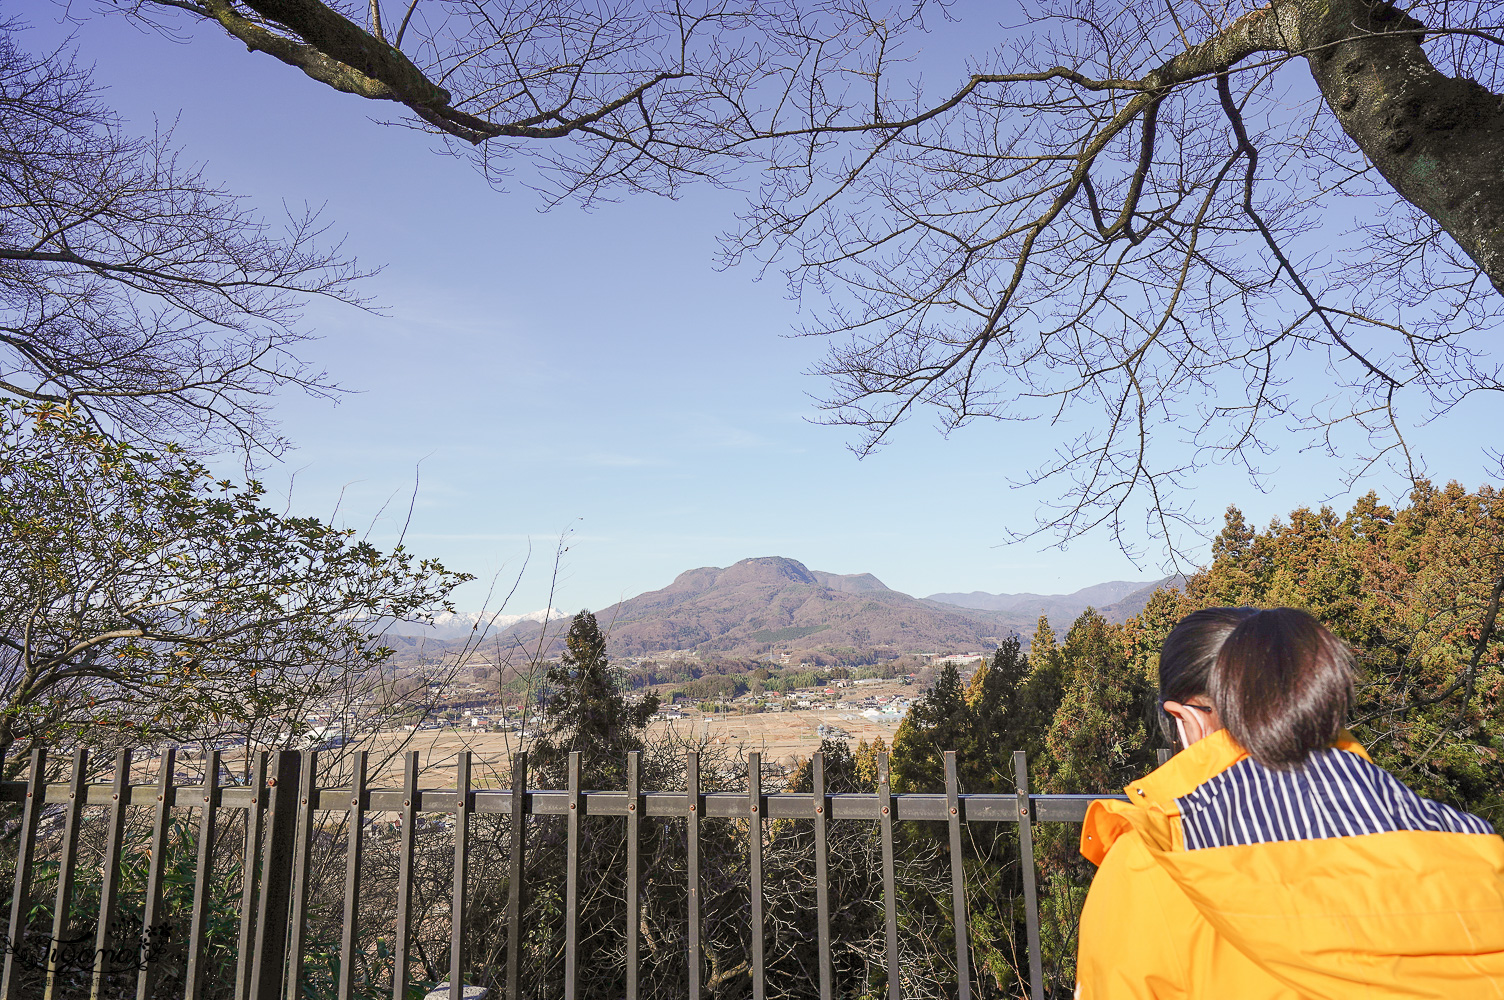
(281, 803)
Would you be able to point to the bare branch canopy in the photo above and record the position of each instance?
(1172, 231)
(132, 287)
(1184, 230)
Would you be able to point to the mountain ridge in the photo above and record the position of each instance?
(1096, 595)
(465, 624)
(767, 602)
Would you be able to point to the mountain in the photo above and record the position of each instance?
(855, 583)
(1117, 601)
(464, 624)
(1054, 605)
(1131, 605)
(773, 601)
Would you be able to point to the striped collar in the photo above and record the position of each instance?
(1332, 795)
(1200, 762)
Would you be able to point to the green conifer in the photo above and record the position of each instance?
(587, 711)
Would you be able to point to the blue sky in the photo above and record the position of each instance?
(592, 373)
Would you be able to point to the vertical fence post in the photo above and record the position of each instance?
(572, 881)
(692, 899)
(822, 877)
(281, 793)
(518, 832)
(890, 889)
(1163, 755)
(1026, 863)
(302, 859)
(151, 919)
(461, 873)
(254, 820)
(754, 872)
(355, 834)
(31, 815)
(109, 875)
(405, 875)
(634, 860)
(957, 879)
(202, 877)
(77, 794)
(280, 824)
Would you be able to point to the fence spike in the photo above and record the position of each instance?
(693, 804)
(572, 881)
(405, 874)
(1026, 863)
(461, 873)
(517, 831)
(957, 878)
(302, 860)
(822, 875)
(206, 828)
(754, 872)
(151, 919)
(890, 889)
(280, 792)
(255, 817)
(78, 793)
(31, 815)
(354, 848)
(109, 875)
(634, 861)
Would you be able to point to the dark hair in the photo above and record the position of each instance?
(1282, 685)
(1188, 655)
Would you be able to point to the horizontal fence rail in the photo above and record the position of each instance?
(281, 803)
(974, 808)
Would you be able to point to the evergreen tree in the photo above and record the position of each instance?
(1039, 696)
(844, 771)
(1144, 634)
(587, 711)
(937, 722)
(1042, 644)
(1004, 719)
(1236, 551)
(1414, 592)
(1097, 740)
(867, 757)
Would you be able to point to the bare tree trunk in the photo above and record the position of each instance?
(1438, 140)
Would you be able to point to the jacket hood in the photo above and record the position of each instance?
(1331, 916)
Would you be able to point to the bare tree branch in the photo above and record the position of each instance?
(130, 285)
(1179, 229)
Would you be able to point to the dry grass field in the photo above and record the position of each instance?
(781, 737)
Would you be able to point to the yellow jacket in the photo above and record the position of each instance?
(1302, 901)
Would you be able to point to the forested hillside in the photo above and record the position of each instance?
(1415, 591)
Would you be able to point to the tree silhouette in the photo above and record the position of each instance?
(587, 711)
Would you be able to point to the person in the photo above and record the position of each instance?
(1271, 859)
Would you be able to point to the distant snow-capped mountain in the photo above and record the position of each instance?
(459, 624)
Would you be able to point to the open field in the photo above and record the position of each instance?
(781, 737)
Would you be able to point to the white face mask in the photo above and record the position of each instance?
(1180, 728)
